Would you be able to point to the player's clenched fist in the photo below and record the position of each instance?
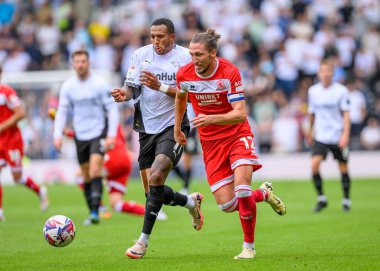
(119, 95)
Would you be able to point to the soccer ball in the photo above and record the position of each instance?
(59, 231)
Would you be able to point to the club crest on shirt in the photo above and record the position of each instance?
(176, 64)
(130, 73)
(220, 85)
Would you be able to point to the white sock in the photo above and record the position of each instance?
(190, 204)
(346, 202)
(249, 245)
(322, 198)
(144, 238)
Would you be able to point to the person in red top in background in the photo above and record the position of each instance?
(213, 86)
(117, 168)
(12, 111)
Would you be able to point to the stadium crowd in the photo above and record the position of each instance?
(277, 45)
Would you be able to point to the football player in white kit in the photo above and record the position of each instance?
(95, 121)
(151, 82)
(329, 130)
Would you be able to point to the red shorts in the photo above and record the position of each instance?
(222, 156)
(11, 152)
(118, 164)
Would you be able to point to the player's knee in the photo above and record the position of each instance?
(157, 177)
(117, 206)
(18, 177)
(230, 206)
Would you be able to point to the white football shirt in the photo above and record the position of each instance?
(154, 110)
(91, 104)
(327, 105)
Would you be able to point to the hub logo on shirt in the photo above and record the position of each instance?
(166, 77)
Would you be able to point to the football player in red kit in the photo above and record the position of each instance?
(12, 111)
(213, 86)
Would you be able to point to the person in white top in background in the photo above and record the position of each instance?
(329, 106)
(95, 121)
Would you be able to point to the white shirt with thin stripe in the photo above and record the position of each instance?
(154, 110)
(327, 105)
(91, 104)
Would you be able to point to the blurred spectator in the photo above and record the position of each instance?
(289, 141)
(264, 113)
(48, 39)
(370, 136)
(312, 55)
(346, 46)
(103, 55)
(286, 72)
(17, 59)
(358, 112)
(365, 64)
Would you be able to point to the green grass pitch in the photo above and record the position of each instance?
(301, 240)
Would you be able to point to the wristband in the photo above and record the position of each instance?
(164, 88)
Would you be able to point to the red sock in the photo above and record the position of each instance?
(247, 212)
(81, 186)
(130, 207)
(31, 184)
(258, 195)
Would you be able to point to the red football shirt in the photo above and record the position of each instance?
(8, 101)
(213, 95)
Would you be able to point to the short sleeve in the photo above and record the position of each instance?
(12, 99)
(345, 101)
(182, 87)
(311, 108)
(132, 77)
(64, 99)
(236, 92)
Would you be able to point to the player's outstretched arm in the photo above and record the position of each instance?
(18, 114)
(310, 134)
(180, 105)
(122, 94)
(345, 138)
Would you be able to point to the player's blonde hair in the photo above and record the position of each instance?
(209, 39)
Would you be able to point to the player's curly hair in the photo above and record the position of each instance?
(209, 39)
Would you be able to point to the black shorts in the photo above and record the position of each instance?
(191, 146)
(87, 147)
(162, 143)
(322, 149)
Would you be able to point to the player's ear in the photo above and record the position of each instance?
(213, 53)
(172, 37)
